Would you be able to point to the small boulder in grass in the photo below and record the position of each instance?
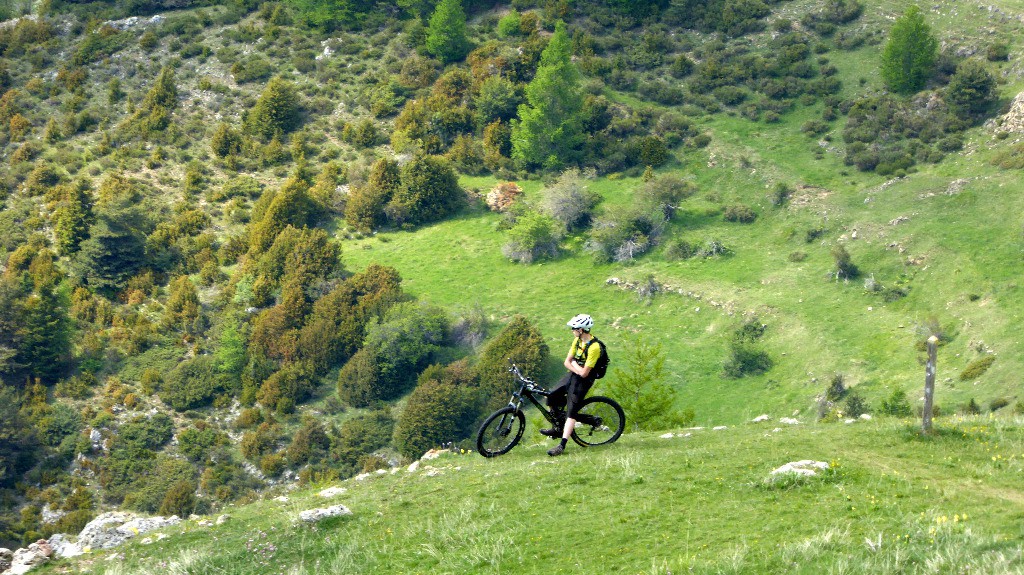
(317, 515)
(805, 467)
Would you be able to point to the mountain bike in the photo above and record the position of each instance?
(599, 420)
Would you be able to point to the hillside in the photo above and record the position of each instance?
(248, 245)
(702, 501)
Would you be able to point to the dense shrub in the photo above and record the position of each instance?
(396, 349)
(533, 236)
(739, 213)
(441, 409)
(977, 367)
(569, 201)
(519, 342)
(192, 384)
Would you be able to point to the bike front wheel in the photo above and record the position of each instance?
(500, 432)
(599, 420)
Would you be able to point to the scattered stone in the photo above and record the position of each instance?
(27, 559)
(332, 491)
(204, 523)
(221, 520)
(720, 428)
(789, 421)
(414, 466)
(502, 196)
(761, 418)
(432, 454)
(865, 416)
(317, 515)
(668, 435)
(281, 499)
(805, 467)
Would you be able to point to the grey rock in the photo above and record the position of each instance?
(27, 559)
(5, 559)
(114, 528)
(63, 546)
(316, 515)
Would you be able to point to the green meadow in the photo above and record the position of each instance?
(700, 501)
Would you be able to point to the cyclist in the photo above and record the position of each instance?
(567, 395)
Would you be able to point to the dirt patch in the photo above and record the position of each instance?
(807, 195)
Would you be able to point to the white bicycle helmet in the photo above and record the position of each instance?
(582, 321)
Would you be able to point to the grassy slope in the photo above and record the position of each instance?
(950, 503)
(960, 253)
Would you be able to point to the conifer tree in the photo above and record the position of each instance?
(71, 220)
(365, 208)
(113, 253)
(446, 34)
(908, 59)
(276, 111)
(45, 335)
(549, 131)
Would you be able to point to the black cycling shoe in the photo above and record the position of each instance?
(552, 432)
(556, 450)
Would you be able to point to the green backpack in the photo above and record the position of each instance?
(602, 362)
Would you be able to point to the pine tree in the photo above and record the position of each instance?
(971, 90)
(549, 131)
(71, 220)
(446, 34)
(908, 59)
(113, 253)
(45, 335)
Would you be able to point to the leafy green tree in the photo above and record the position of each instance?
(909, 56)
(498, 99)
(446, 33)
(971, 90)
(276, 112)
(549, 131)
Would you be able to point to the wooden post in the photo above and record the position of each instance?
(929, 385)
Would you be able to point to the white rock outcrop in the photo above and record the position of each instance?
(805, 467)
(317, 515)
(114, 528)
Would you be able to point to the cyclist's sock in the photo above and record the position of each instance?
(562, 443)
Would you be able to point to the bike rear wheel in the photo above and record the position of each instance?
(500, 432)
(599, 421)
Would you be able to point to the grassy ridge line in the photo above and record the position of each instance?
(646, 505)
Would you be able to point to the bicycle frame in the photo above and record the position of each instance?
(529, 390)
